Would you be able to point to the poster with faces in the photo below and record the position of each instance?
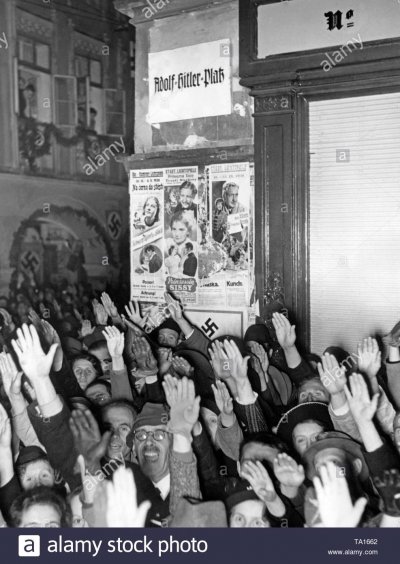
(181, 232)
(224, 257)
(146, 188)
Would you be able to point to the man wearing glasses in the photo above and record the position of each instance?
(165, 456)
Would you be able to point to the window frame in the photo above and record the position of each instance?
(105, 90)
(35, 42)
(75, 102)
(89, 59)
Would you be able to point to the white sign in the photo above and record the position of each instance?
(190, 82)
(303, 25)
(217, 323)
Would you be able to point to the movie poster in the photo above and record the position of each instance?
(191, 235)
(224, 271)
(146, 189)
(180, 233)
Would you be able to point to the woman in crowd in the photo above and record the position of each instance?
(161, 428)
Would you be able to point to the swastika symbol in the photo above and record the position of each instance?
(114, 225)
(210, 328)
(30, 261)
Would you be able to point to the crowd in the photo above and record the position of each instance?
(105, 424)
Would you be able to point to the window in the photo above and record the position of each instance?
(86, 66)
(115, 112)
(34, 53)
(354, 219)
(65, 100)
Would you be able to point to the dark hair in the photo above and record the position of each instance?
(190, 185)
(189, 246)
(264, 438)
(104, 383)
(172, 247)
(150, 249)
(93, 111)
(90, 358)
(41, 495)
(97, 345)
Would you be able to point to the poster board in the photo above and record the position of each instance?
(192, 235)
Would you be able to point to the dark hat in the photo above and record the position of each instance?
(241, 491)
(335, 439)
(151, 414)
(169, 323)
(80, 402)
(192, 513)
(71, 345)
(237, 340)
(302, 412)
(258, 333)
(94, 337)
(210, 404)
(30, 454)
(341, 355)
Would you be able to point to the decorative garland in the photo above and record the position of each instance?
(35, 139)
(15, 250)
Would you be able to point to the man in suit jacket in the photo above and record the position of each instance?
(154, 261)
(190, 264)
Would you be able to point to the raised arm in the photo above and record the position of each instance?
(184, 414)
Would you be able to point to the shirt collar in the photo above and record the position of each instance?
(164, 485)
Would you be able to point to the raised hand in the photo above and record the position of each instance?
(362, 407)
(57, 309)
(396, 431)
(335, 506)
(11, 377)
(184, 404)
(133, 312)
(182, 367)
(35, 364)
(259, 354)
(288, 472)
(49, 333)
(78, 315)
(369, 360)
(333, 376)
(87, 438)
(237, 361)
(122, 507)
(6, 316)
(219, 361)
(51, 337)
(164, 357)
(174, 307)
(100, 313)
(87, 328)
(285, 333)
(5, 431)
(6, 457)
(115, 341)
(142, 353)
(34, 319)
(224, 403)
(257, 476)
(109, 305)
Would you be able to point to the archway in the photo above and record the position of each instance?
(62, 242)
